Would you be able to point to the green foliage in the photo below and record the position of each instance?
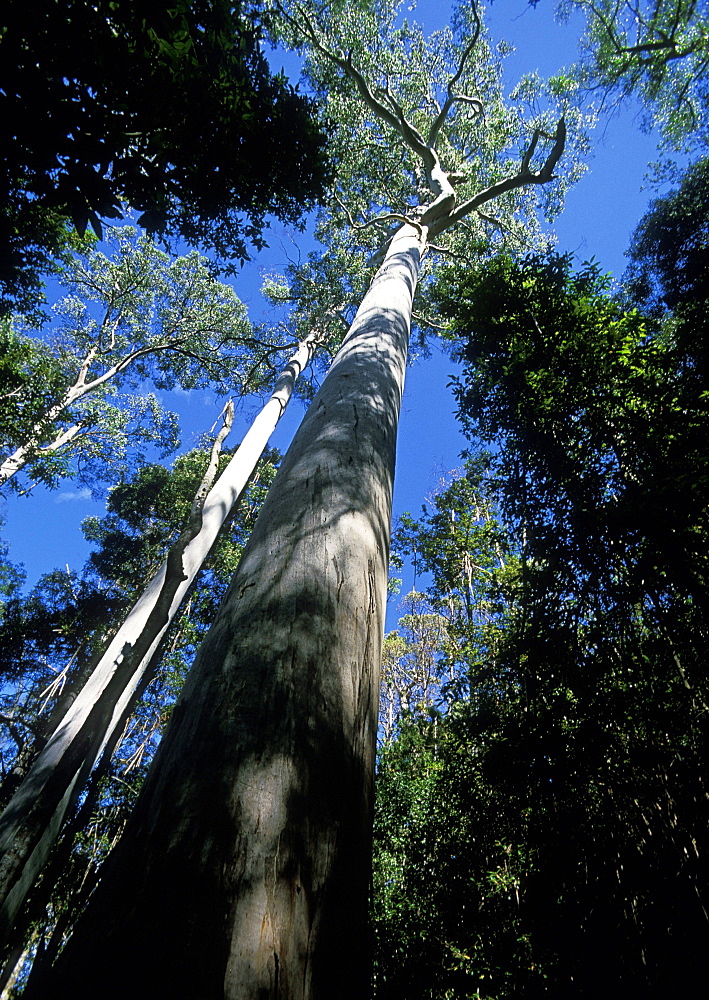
(30, 376)
(450, 862)
(562, 796)
(449, 857)
(669, 262)
(76, 400)
(589, 723)
(602, 422)
(460, 547)
(657, 50)
(170, 109)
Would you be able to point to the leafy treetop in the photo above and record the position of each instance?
(657, 50)
(167, 108)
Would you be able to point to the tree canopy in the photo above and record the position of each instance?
(656, 51)
(167, 109)
(82, 396)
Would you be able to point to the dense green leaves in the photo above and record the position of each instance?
(561, 795)
(573, 775)
(77, 400)
(669, 263)
(167, 108)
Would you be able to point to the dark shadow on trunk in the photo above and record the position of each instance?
(244, 871)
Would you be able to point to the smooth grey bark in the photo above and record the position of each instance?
(31, 822)
(244, 869)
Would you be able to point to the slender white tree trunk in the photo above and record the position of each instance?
(244, 870)
(32, 820)
(11, 465)
(14, 462)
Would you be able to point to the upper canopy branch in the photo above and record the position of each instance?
(390, 112)
(523, 177)
(436, 177)
(453, 97)
(650, 34)
(410, 134)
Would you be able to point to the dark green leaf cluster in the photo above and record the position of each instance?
(669, 262)
(599, 737)
(547, 837)
(169, 109)
(451, 856)
(600, 418)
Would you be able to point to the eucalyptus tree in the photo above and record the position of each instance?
(54, 637)
(411, 671)
(32, 819)
(246, 861)
(76, 398)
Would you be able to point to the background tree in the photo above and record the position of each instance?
(668, 273)
(171, 111)
(601, 469)
(145, 514)
(448, 851)
(76, 399)
(78, 738)
(410, 665)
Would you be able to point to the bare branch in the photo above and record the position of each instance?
(435, 248)
(524, 177)
(346, 210)
(409, 132)
(452, 98)
(393, 217)
(63, 438)
(195, 521)
(491, 220)
(421, 320)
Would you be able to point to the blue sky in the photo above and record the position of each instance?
(601, 211)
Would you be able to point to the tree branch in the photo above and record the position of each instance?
(521, 179)
(452, 98)
(61, 439)
(392, 217)
(395, 119)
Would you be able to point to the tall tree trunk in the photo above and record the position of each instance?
(244, 870)
(32, 819)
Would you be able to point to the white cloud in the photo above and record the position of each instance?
(82, 494)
